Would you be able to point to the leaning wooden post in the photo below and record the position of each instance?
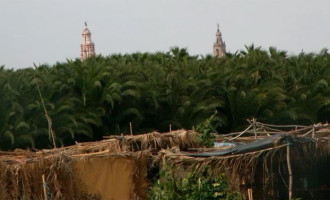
(44, 186)
(250, 194)
(289, 170)
(49, 120)
(254, 128)
(130, 128)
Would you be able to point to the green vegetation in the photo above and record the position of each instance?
(206, 136)
(193, 186)
(100, 96)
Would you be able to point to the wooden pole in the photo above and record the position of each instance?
(44, 186)
(254, 128)
(130, 128)
(49, 120)
(289, 170)
(170, 127)
(250, 194)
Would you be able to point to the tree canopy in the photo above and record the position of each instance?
(100, 96)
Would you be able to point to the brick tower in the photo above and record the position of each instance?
(219, 47)
(87, 46)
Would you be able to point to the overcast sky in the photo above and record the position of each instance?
(39, 31)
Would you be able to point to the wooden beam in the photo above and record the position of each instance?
(130, 128)
(44, 187)
(289, 170)
(250, 194)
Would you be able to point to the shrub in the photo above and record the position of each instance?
(207, 138)
(193, 186)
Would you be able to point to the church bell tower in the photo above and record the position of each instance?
(219, 47)
(87, 46)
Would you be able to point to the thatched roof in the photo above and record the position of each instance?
(261, 146)
(243, 158)
(22, 169)
(258, 155)
(22, 172)
(153, 141)
(261, 130)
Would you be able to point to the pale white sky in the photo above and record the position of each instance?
(39, 31)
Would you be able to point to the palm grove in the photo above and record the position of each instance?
(100, 96)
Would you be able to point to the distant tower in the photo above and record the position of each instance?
(219, 47)
(87, 46)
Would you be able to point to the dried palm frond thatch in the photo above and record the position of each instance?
(263, 165)
(155, 141)
(22, 172)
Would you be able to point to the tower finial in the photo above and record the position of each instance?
(219, 47)
(87, 48)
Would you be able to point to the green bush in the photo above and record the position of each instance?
(207, 138)
(193, 186)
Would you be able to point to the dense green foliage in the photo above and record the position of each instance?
(207, 132)
(192, 186)
(101, 95)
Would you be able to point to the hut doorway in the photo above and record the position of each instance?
(313, 182)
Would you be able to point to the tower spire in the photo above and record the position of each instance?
(87, 46)
(219, 47)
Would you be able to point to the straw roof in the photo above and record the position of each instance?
(153, 141)
(22, 169)
(22, 172)
(254, 157)
(156, 141)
